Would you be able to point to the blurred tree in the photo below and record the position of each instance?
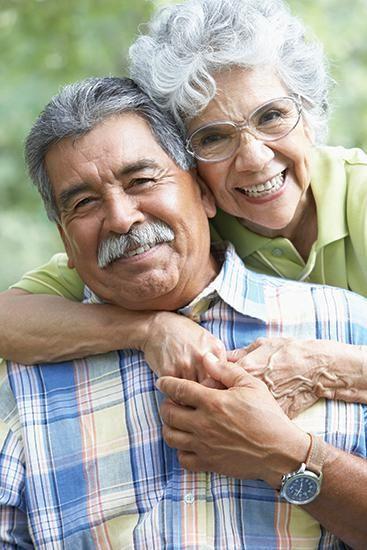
(45, 43)
(342, 30)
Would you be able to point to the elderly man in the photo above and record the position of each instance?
(83, 461)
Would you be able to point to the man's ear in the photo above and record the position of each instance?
(206, 195)
(65, 240)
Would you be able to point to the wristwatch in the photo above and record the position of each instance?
(303, 486)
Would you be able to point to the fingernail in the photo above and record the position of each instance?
(158, 384)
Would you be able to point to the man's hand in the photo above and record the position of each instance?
(299, 372)
(176, 345)
(240, 431)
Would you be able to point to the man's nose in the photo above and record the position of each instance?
(252, 155)
(122, 211)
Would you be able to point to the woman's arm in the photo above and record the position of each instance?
(43, 328)
(38, 324)
(299, 372)
(38, 327)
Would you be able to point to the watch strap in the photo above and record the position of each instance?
(316, 454)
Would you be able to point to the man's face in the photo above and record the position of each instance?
(115, 179)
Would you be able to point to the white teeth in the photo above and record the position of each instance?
(141, 249)
(137, 251)
(265, 188)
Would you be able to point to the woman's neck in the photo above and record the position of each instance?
(301, 231)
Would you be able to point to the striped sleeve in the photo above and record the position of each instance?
(14, 531)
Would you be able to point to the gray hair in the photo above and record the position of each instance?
(78, 108)
(189, 42)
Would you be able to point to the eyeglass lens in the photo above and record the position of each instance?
(268, 122)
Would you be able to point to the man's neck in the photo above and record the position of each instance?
(198, 281)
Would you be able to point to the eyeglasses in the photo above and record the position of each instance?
(218, 141)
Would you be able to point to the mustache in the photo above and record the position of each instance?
(149, 234)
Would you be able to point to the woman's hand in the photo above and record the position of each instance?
(175, 346)
(299, 372)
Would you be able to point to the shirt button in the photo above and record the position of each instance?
(189, 498)
(277, 252)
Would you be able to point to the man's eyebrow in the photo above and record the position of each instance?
(67, 195)
(137, 166)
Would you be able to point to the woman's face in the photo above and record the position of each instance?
(263, 183)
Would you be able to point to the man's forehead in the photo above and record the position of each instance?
(127, 129)
(125, 139)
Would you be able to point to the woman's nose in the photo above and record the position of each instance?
(252, 155)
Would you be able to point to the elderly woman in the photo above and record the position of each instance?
(250, 93)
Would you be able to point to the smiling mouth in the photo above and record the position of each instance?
(139, 250)
(264, 189)
(143, 248)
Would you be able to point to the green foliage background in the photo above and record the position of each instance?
(45, 43)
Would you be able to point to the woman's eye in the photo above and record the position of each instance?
(214, 139)
(211, 139)
(271, 116)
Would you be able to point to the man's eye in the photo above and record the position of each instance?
(136, 182)
(84, 202)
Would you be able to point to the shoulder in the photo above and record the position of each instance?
(338, 165)
(332, 312)
(54, 277)
(342, 173)
(339, 156)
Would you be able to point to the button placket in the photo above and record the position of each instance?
(277, 252)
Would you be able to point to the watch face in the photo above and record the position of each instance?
(301, 488)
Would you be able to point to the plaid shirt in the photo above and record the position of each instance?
(83, 463)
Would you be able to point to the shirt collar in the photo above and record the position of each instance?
(245, 241)
(89, 297)
(235, 285)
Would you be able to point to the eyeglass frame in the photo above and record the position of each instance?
(245, 126)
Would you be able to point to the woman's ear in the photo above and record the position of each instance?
(308, 130)
(206, 195)
(65, 240)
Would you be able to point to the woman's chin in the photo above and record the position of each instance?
(275, 229)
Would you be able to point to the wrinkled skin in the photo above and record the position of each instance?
(299, 372)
